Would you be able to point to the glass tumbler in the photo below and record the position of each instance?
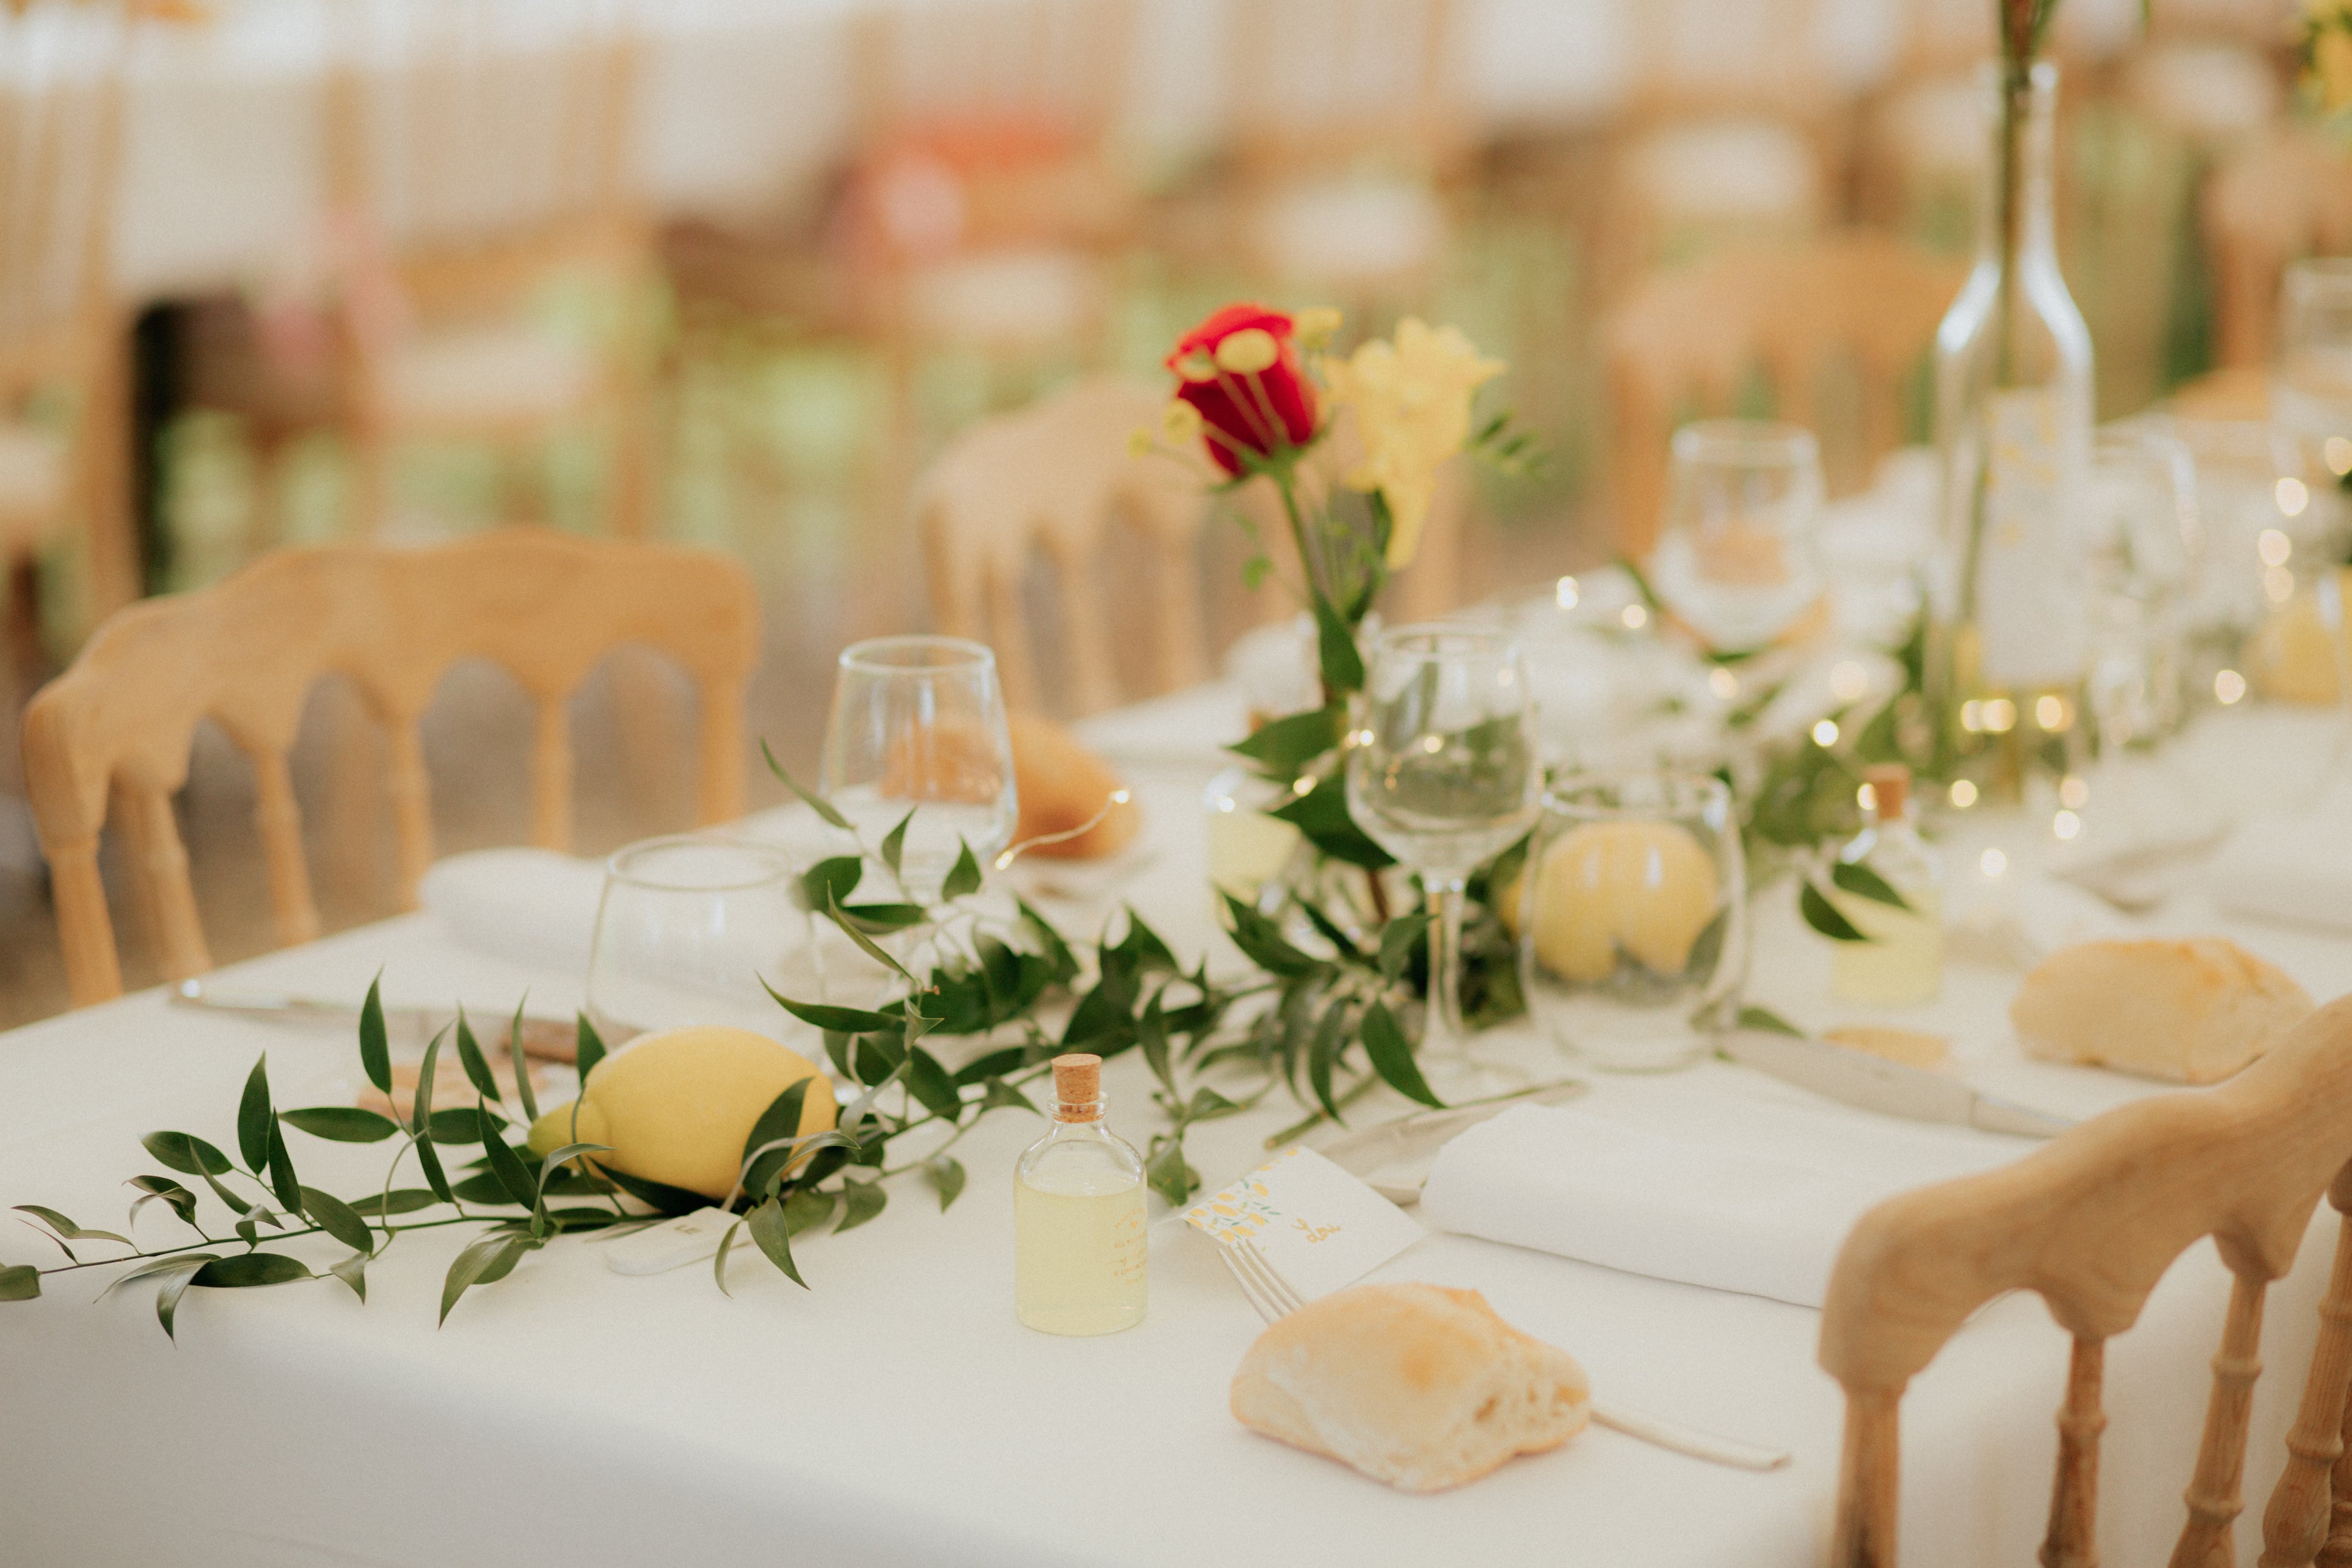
(686, 928)
(1735, 558)
(1632, 939)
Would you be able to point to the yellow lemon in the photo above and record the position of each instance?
(675, 1107)
(1647, 886)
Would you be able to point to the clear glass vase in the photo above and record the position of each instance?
(2013, 414)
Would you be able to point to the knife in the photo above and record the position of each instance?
(1393, 1158)
(543, 1039)
(1889, 1088)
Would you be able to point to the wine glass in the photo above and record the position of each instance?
(1735, 558)
(1443, 776)
(685, 928)
(917, 726)
(2311, 384)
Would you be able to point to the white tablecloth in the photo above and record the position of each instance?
(897, 1414)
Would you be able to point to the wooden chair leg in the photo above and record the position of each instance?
(2073, 1539)
(2294, 1526)
(1867, 1472)
(2212, 1497)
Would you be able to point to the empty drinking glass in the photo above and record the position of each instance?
(685, 929)
(1736, 556)
(1444, 776)
(2140, 539)
(917, 726)
(1632, 940)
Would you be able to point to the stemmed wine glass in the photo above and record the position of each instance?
(1443, 776)
(917, 726)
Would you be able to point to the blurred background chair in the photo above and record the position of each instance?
(2286, 196)
(1832, 335)
(1346, 136)
(108, 741)
(1043, 487)
(63, 512)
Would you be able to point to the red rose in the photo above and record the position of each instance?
(1240, 368)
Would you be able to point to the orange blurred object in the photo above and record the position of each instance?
(1062, 785)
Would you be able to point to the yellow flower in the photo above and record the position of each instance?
(1140, 441)
(2331, 67)
(1412, 400)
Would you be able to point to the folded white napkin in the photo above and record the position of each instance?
(1562, 1181)
(2296, 869)
(532, 907)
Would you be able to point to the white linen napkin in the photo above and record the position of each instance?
(529, 905)
(1562, 1181)
(2296, 869)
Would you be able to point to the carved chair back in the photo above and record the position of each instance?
(108, 741)
(2090, 1223)
(1049, 481)
(1688, 343)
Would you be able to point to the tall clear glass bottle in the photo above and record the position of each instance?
(2013, 414)
(1903, 961)
(1079, 1253)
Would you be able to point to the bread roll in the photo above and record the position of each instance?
(1417, 1385)
(1061, 785)
(2192, 1011)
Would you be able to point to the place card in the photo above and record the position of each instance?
(1319, 1228)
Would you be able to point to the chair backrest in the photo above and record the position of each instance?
(1689, 342)
(60, 95)
(1049, 480)
(2287, 196)
(2090, 1223)
(1702, 58)
(115, 729)
(484, 140)
(1066, 64)
(1315, 86)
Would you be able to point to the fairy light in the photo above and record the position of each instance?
(2065, 824)
(1723, 682)
(2338, 454)
(1565, 593)
(2000, 715)
(1825, 734)
(2049, 713)
(1964, 794)
(2278, 584)
(2293, 497)
(2073, 791)
(1635, 617)
(1303, 785)
(2273, 546)
(2229, 687)
(1992, 863)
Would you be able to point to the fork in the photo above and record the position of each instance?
(1274, 1298)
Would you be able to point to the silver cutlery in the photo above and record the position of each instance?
(1889, 1088)
(543, 1039)
(1273, 1299)
(1393, 1158)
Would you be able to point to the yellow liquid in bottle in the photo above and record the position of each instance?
(1904, 961)
(1078, 1251)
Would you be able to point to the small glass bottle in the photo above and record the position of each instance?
(1903, 962)
(1077, 1216)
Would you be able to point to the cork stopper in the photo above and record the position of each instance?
(1890, 788)
(1078, 1087)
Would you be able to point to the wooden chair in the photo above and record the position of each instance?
(109, 739)
(60, 334)
(1049, 481)
(472, 160)
(2287, 196)
(2090, 1223)
(1347, 129)
(1691, 341)
(1730, 132)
